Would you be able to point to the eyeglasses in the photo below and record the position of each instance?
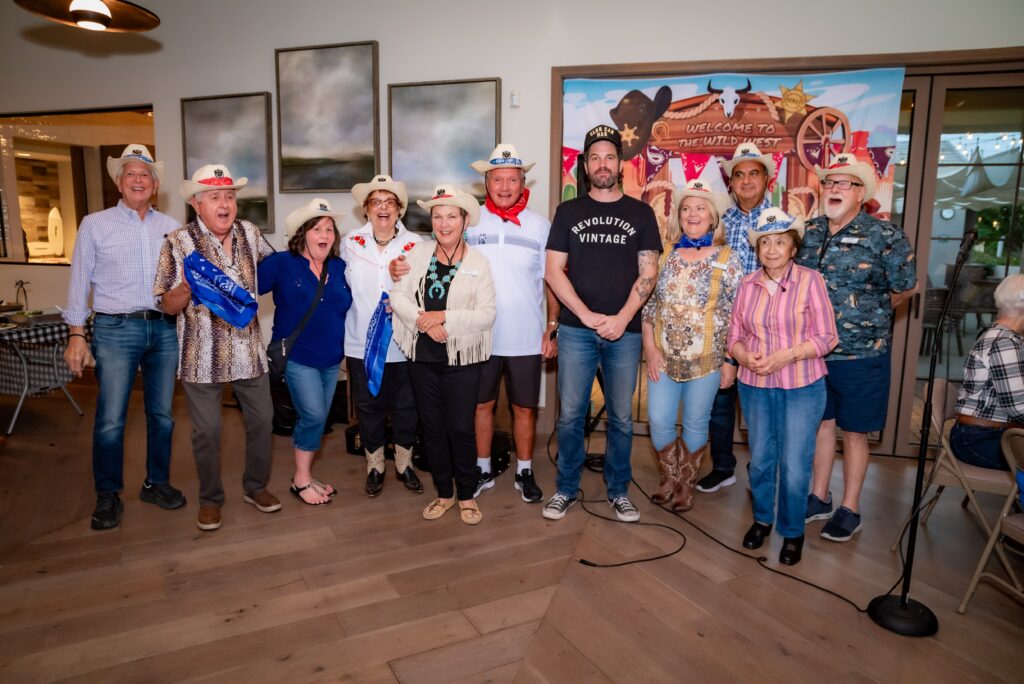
(842, 185)
(383, 203)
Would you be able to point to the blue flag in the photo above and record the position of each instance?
(378, 339)
(218, 292)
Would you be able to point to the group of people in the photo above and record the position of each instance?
(743, 299)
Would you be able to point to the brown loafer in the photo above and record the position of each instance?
(209, 518)
(264, 501)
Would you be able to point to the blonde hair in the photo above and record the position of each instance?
(717, 229)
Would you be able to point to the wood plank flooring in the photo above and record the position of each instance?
(367, 591)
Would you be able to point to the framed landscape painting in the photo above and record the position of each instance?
(327, 116)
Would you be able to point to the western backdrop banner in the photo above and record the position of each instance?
(677, 129)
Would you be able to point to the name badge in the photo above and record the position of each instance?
(719, 266)
(472, 274)
(850, 240)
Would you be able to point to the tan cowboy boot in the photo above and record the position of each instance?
(374, 472)
(668, 458)
(689, 467)
(404, 471)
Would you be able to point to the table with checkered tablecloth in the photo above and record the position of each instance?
(32, 362)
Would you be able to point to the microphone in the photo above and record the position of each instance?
(970, 237)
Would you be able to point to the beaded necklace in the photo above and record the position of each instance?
(441, 283)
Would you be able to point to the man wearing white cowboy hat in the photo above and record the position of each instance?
(602, 263)
(513, 239)
(869, 268)
(749, 173)
(115, 258)
(215, 348)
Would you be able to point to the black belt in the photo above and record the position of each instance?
(146, 315)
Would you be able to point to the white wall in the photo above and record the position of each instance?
(212, 47)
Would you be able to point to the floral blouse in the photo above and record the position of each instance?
(690, 310)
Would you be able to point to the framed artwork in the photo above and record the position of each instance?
(327, 116)
(435, 131)
(227, 129)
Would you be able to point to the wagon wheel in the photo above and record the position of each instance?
(820, 131)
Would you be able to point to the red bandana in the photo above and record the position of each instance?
(512, 212)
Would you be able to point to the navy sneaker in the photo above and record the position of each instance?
(162, 494)
(483, 481)
(818, 509)
(715, 480)
(843, 525)
(108, 511)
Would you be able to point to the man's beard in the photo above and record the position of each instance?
(604, 182)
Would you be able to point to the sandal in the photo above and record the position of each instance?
(297, 493)
(470, 515)
(438, 507)
(324, 487)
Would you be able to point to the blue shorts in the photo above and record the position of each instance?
(858, 393)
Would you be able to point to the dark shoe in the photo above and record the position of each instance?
(624, 509)
(755, 536)
(527, 486)
(264, 501)
(792, 548)
(409, 479)
(843, 525)
(297, 493)
(208, 518)
(483, 481)
(715, 480)
(162, 494)
(557, 505)
(374, 482)
(818, 509)
(108, 511)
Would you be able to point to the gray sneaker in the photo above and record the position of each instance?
(557, 506)
(624, 509)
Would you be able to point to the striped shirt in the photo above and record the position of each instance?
(766, 323)
(737, 223)
(115, 259)
(993, 386)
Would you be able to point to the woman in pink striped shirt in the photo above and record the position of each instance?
(782, 325)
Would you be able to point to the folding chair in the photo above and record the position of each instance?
(1008, 525)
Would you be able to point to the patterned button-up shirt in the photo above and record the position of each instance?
(993, 386)
(737, 223)
(862, 264)
(211, 350)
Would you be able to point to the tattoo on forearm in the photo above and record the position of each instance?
(646, 259)
(643, 287)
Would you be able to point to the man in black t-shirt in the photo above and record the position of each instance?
(602, 264)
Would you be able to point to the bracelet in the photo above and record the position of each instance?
(795, 357)
(70, 335)
(550, 323)
(732, 362)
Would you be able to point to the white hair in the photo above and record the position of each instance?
(1010, 295)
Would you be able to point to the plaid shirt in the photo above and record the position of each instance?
(736, 225)
(993, 386)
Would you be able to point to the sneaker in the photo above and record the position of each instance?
(557, 505)
(818, 509)
(483, 481)
(208, 518)
(624, 509)
(526, 484)
(264, 501)
(715, 480)
(843, 525)
(108, 511)
(162, 494)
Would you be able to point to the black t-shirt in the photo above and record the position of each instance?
(602, 240)
(434, 299)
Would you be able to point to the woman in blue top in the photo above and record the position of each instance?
(312, 369)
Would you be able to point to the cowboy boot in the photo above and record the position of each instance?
(667, 465)
(689, 467)
(404, 470)
(374, 472)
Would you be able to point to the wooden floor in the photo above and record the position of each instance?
(367, 591)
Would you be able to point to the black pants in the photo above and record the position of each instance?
(446, 402)
(395, 398)
(723, 420)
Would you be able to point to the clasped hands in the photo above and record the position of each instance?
(608, 327)
(432, 323)
(766, 365)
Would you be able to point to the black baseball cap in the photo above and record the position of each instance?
(602, 132)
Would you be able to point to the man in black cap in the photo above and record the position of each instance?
(602, 264)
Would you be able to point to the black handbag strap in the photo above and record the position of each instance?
(309, 312)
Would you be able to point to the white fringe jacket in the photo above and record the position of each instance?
(469, 312)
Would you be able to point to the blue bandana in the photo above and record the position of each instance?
(701, 242)
(378, 339)
(218, 292)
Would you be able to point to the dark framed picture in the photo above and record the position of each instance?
(229, 130)
(435, 131)
(327, 116)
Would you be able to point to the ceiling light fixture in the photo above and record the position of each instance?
(91, 15)
(114, 16)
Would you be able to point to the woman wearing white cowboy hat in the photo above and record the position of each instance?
(444, 313)
(367, 251)
(685, 324)
(782, 326)
(294, 277)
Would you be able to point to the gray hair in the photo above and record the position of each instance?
(1010, 295)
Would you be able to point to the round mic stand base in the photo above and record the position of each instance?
(913, 619)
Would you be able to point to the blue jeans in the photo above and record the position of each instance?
(980, 446)
(120, 347)
(312, 391)
(580, 352)
(663, 399)
(782, 425)
(723, 424)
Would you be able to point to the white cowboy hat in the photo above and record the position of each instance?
(134, 152)
(210, 177)
(504, 156)
(747, 151)
(314, 208)
(773, 220)
(448, 195)
(701, 189)
(360, 191)
(847, 163)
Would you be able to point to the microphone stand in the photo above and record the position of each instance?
(902, 614)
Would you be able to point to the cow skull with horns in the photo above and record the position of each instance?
(729, 97)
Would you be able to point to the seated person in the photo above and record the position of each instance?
(992, 396)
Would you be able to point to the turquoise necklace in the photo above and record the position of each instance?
(441, 283)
